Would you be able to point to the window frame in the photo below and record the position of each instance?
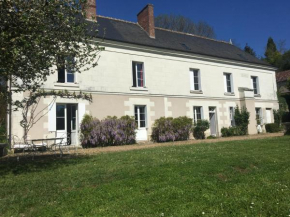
(232, 116)
(257, 85)
(135, 74)
(195, 119)
(193, 83)
(64, 69)
(260, 113)
(64, 118)
(139, 116)
(225, 74)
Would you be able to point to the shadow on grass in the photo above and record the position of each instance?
(27, 164)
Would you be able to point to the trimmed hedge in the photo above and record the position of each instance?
(108, 132)
(199, 128)
(272, 128)
(171, 129)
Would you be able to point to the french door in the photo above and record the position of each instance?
(213, 121)
(140, 118)
(66, 123)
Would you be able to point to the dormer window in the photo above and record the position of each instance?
(66, 73)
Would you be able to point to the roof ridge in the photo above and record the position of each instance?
(198, 36)
(112, 18)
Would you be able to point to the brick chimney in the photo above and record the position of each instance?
(146, 20)
(91, 10)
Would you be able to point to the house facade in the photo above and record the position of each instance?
(148, 73)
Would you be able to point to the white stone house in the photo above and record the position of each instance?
(150, 72)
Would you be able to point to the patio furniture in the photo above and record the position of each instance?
(51, 144)
(67, 145)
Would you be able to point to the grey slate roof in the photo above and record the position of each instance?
(128, 32)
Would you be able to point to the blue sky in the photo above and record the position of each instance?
(244, 21)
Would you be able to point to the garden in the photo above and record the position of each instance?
(235, 178)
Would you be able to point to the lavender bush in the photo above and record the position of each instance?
(171, 129)
(108, 132)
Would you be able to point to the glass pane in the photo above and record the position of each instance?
(70, 77)
(60, 110)
(61, 75)
(142, 117)
(73, 123)
(60, 124)
(142, 124)
(142, 109)
(73, 112)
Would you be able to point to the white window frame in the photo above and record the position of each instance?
(192, 83)
(260, 114)
(226, 84)
(195, 114)
(138, 115)
(257, 85)
(232, 115)
(136, 74)
(66, 74)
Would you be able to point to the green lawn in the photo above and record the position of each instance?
(241, 178)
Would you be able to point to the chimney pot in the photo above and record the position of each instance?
(146, 20)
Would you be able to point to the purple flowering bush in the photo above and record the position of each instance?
(108, 132)
(171, 129)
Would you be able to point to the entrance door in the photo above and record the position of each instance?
(72, 123)
(140, 118)
(212, 121)
(268, 116)
(66, 123)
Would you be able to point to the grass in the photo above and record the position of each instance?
(239, 178)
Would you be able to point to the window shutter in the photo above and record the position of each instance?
(232, 83)
(191, 80)
(82, 111)
(134, 74)
(225, 83)
(201, 112)
(52, 117)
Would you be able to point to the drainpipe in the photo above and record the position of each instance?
(10, 115)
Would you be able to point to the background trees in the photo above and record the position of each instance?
(184, 24)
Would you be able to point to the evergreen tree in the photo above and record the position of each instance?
(249, 50)
(272, 54)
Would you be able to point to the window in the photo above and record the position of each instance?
(195, 83)
(255, 83)
(228, 80)
(140, 116)
(60, 117)
(138, 74)
(197, 113)
(258, 115)
(232, 116)
(66, 73)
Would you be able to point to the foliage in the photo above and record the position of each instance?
(286, 117)
(287, 128)
(284, 63)
(108, 132)
(171, 129)
(277, 116)
(272, 54)
(231, 131)
(211, 137)
(199, 128)
(37, 35)
(249, 50)
(184, 24)
(242, 120)
(272, 128)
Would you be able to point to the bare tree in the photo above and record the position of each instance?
(281, 46)
(184, 24)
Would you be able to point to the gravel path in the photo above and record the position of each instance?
(144, 145)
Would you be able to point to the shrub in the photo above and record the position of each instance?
(242, 120)
(211, 137)
(199, 128)
(272, 128)
(171, 129)
(110, 131)
(287, 128)
(285, 117)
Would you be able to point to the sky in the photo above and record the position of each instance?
(243, 21)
